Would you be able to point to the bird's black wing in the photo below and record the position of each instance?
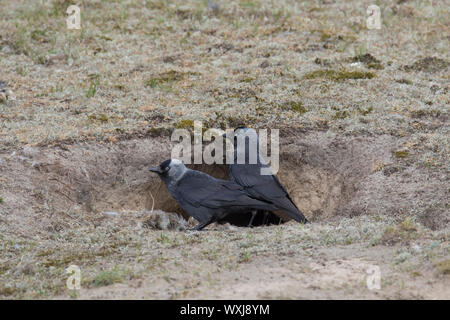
(265, 187)
(199, 189)
(249, 176)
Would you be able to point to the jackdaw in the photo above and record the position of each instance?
(262, 187)
(203, 197)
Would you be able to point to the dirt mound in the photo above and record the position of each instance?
(327, 176)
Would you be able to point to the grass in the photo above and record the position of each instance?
(296, 106)
(185, 124)
(167, 79)
(341, 114)
(106, 278)
(157, 258)
(428, 64)
(340, 75)
(210, 72)
(100, 117)
(443, 267)
(189, 63)
(404, 81)
(92, 89)
(403, 232)
(401, 154)
(376, 66)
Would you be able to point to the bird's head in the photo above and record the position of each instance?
(172, 168)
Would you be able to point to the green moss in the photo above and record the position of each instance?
(401, 154)
(296, 106)
(157, 131)
(325, 36)
(365, 112)
(408, 225)
(44, 253)
(340, 75)
(377, 66)
(152, 83)
(244, 256)
(185, 124)
(167, 78)
(59, 7)
(247, 79)
(92, 87)
(238, 121)
(341, 115)
(106, 278)
(1, 200)
(403, 232)
(39, 35)
(404, 81)
(100, 117)
(365, 58)
(76, 258)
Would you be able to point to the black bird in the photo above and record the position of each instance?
(262, 187)
(203, 197)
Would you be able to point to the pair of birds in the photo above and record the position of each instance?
(208, 199)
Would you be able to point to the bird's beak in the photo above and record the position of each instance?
(156, 170)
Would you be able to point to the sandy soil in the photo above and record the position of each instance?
(136, 253)
(364, 133)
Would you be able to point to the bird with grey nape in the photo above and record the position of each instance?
(203, 197)
(262, 187)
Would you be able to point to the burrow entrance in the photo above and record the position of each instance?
(326, 176)
(316, 193)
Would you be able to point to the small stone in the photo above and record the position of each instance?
(111, 214)
(5, 92)
(434, 88)
(164, 221)
(29, 151)
(264, 64)
(214, 6)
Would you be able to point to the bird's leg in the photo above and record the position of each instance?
(253, 217)
(200, 226)
(266, 217)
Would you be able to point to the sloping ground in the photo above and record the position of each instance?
(364, 132)
(326, 175)
(56, 212)
(338, 272)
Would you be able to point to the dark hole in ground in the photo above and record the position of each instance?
(261, 219)
(165, 202)
(327, 177)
